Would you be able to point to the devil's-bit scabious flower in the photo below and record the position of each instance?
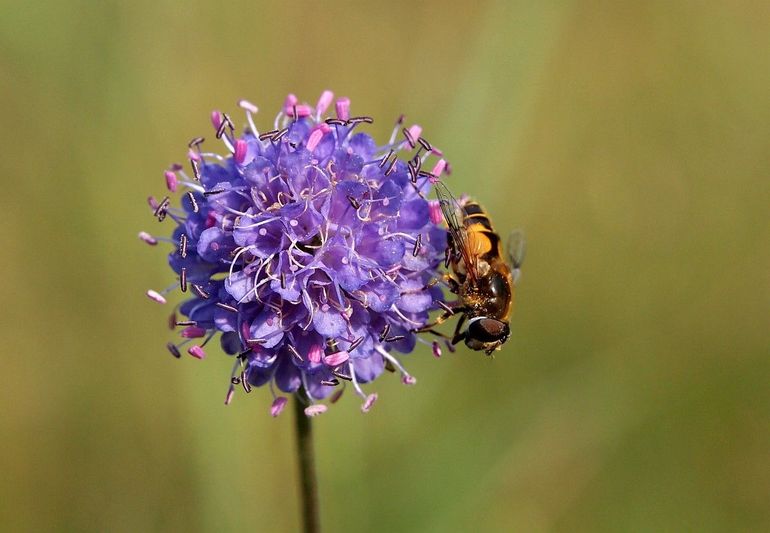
(309, 247)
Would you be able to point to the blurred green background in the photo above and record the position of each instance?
(631, 141)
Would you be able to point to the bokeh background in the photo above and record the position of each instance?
(629, 139)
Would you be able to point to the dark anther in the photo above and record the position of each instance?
(283, 280)
(171, 347)
(280, 134)
(172, 321)
(242, 355)
(196, 170)
(392, 166)
(389, 366)
(235, 380)
(330, 382)
(417, 245)
(183, 280)
(353, 202)
(193, 201)
(221, 129)
(412, 173)
(197, 289)
(226, 120)
(254, 342)
(267, 135)
(335, 122)
(183, 245)
(395, 338)
(245, 382)
(358, 120)
(226, 307)
(384, 332)
(424, 143)
(295, 353)
(400, 120)
(445, 307)
(294, 112)
(195, 142)
(340, 375)
(409, 137)
(355, 344)
(186, 323)
(385, 159)
(426, 174)
(160, 211)
(214, 191)
(447, 257)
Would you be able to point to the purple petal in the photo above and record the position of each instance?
(267, 328)
(329, 322)
(380, 295)
(287, 376)
(240, 286)
(301, 221)
(414, 297)
(414, 215)
(368, 369)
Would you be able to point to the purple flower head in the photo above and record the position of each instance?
(310, 248)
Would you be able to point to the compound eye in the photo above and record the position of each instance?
(488, 330)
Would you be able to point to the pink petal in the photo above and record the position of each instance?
(240, 151)
(315, 410)
(324, 102)
(342, 106)
(436, 349)
(156, 296)
(216, 119)
(146, 237)
(197, 352)
(434, 209)
(337, 358)
(278, 404)
(171, 181)
(369, 402)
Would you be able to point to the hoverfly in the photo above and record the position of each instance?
(480, 277)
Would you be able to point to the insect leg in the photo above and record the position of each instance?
(458, 336)
(440, 320)
(449, 280)
(437, 333)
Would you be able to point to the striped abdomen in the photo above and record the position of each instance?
(483, 242)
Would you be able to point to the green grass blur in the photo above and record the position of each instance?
(629, 139)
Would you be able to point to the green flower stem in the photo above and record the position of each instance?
(308, 482)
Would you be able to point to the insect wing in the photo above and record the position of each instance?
(450, 207)
(516, 250)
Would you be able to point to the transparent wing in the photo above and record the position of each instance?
(450, 207)
(516, 250)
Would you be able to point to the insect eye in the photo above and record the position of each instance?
(488, 330)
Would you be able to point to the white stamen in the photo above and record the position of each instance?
(356, 386)
(212, 155)
(400, 314)
(235, 259)
(394, 362)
